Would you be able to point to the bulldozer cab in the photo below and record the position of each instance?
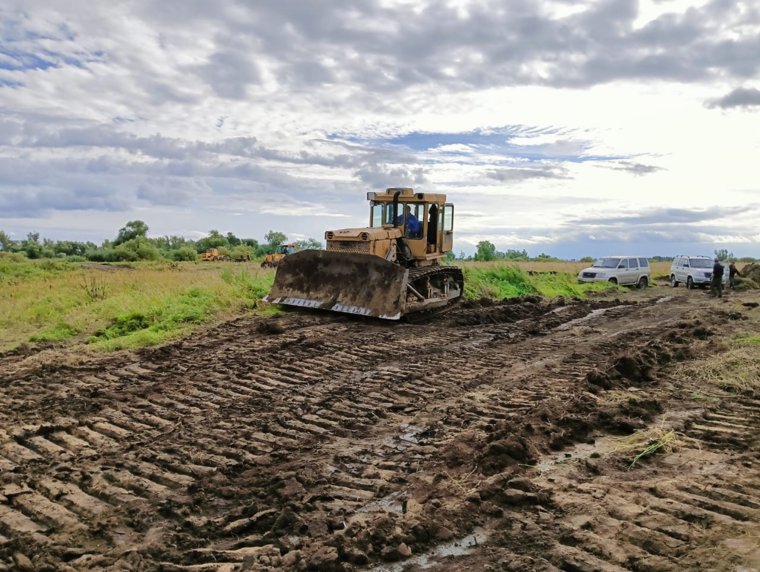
(426, 219)
(287, 248)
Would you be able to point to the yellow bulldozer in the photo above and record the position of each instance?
(273, 260)
(213, 255)
(386, 270)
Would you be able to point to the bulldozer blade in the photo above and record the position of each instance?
(354, 283)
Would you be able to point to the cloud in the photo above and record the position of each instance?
(300, 108)
(172, 191)
(664, 216)
(633, 167)
(511, 175)
(740, 97)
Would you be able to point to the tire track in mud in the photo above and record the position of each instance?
(263, 438)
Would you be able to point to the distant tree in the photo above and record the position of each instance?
(275, 238)
(171, 243)
(309, 244)
(252, 242)
(31, 246)
(137, 249)
(723, 254)
(587, 259)
(546, 258)
(6, 243)
(242, 252)
(485, 251)
(70, 248)
(514, 255)
(132, 230)
(232, 240)
(186, 253)
(215, 239)
(449, 256)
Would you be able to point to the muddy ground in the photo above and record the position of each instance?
(486, 438)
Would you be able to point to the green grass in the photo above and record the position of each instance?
(114, 307)
(748, 340)
(509, 281)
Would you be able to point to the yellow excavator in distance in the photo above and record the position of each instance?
(274, 259)
(386, 270)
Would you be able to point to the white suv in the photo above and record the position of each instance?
(693, 271)
(623, 270)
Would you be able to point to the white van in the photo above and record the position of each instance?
(693, 271)
(623, 270)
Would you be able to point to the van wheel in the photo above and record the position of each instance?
(643, 282)
(612, 280)
(673, 281)
(689, 283)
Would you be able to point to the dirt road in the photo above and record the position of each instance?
(487, 438)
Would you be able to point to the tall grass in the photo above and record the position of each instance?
(115, 306)
(132, 305)
(504, 280)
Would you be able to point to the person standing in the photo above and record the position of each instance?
(733, 271)
(716, 282)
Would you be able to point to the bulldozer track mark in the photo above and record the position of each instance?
(352, 423)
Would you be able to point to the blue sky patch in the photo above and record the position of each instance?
(492, 141)
(24, 61)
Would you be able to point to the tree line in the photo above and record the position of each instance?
(486, 251)
(132, 244)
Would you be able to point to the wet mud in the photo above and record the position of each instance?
(481, 438)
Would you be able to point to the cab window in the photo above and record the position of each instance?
(623, 263)
(448, 217)
(633, 263)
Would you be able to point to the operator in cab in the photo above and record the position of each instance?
(412, 226)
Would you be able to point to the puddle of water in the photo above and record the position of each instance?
(408, 435)
(459, 547)
(390, 503)
(591, 315)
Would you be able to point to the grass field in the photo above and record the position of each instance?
(132, 305)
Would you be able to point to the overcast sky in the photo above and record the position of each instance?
(568, 127)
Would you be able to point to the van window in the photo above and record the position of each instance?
(633, 263)
(643, 263)
(700, 263)
(623, 263)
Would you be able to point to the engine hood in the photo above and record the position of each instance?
(366, 233)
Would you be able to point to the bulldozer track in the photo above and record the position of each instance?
(262, 438)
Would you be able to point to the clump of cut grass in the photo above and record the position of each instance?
(736, 370)
(646, 442)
